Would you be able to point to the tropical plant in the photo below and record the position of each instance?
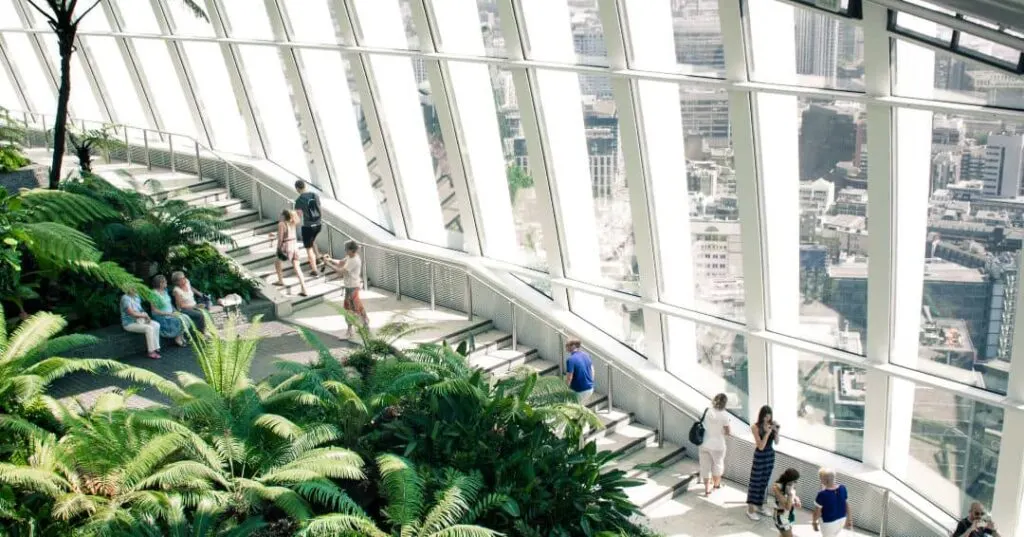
(42, 223)
(63, 17)
(149, 231)
(211, 271)
(12, 132)
(85, 141)
(518, 179)
(456, 506)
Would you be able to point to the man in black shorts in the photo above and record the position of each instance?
(308, 207)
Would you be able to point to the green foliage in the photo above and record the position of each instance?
(210, 271)
(414, 442)
(518, 179)
(85, 141)
(40, 223)
(12, 132)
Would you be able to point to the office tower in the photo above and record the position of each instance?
(1003, 168)
(817, 45)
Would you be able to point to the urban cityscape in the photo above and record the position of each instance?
(975, 228)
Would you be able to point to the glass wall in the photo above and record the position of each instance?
(746, 215)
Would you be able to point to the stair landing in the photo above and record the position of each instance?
(383, 307)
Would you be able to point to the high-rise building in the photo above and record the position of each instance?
(1003, 169)
(828, 136)
(698, 37)
(706, 113)
(817, 45)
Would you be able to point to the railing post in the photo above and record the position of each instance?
(883, 526)
(661, 420)
(199, 164)
(149, 158)
(561, 359)
(515, 328)
(398, 277)
(469, 297)
(611, 385)
(127, 146)
(330, 241)
(170, 146)
(46, 136)
(27, 141)
(366, 281)
(433, 294)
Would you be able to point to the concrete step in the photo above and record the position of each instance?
(536, 365)
(318, 293)
(203, 196)
(500, 360)
(243, 216)
(266, 271)
(291, 283)
(664, 485)
(252, 229)
(258, 257)
(247, 244)
(625, 439)
(195, 188)
(648, 461)
(485, 342)
(227, 204)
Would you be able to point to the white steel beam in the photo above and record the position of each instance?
(215, 11)
(130, 56)
(183, 70)
(310, 133)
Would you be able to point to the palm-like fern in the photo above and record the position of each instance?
(456, 506)
(40, 222)
(30, 360)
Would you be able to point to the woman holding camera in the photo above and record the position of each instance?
(766, 435)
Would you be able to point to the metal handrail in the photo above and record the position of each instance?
(611, 367)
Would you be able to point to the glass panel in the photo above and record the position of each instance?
(961, 80)
(829, 52)
(83, 100)
(987, 48)
(372, 153)
(490, 25)
(624, 322)
(137, 17)
(954, 449)
(117, 83)
(309, 21)
(217, 100)
(450, 210)
(9, 15)
(527, 209)
(716, 244)
(612, 212)
(587, 33)
(721, 360)
(833, 224)
(271, 97)
(165, 86)
(971, 252)
(830, 407)
(8, 94)
(326, 78)
(412, 38)
(247, 20)
(185, 23)
(698, 37)
(30, 73)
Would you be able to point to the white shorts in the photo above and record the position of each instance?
(832, 529)
(712, 462)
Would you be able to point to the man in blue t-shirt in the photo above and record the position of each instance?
(579, 371)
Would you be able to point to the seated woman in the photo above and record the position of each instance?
(189, 301)
(137, 321)
(171, 323)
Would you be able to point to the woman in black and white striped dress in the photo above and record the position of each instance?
(766, 435)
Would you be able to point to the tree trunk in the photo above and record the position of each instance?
(66, 43)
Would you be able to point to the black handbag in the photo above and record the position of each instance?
(697, 431)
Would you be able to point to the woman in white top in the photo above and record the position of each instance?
(712, 451)
(288, 249)
(351, 268)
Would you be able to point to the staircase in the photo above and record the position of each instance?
(664, 469)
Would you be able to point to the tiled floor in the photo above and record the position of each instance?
(720, 515)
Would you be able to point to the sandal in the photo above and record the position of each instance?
(278, 284)
(303, 294)
(153, 355)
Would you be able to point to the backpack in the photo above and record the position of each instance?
(697, 431)
(313, 209)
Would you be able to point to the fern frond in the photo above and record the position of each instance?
(402, 487)
(32, 334)
(64, 207)
(336, 524)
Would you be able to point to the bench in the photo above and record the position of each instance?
(114, 343)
